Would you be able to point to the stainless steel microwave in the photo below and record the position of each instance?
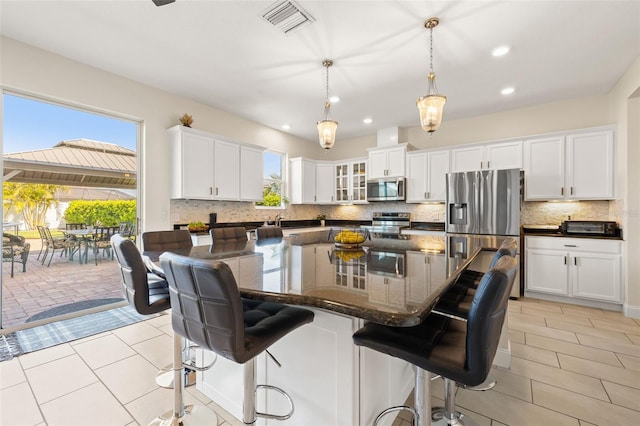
(387, 189)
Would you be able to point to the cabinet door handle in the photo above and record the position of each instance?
(315, 198)
(481, 165)
(575, 261)
(570, 245)
(210, 190)
(216, 190)
(562, 191)
(572, 190)
(488, 164)
(428, 195)
(565, 260)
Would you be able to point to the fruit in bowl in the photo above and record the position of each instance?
(347, 236)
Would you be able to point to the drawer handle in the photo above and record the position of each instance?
(570, 245)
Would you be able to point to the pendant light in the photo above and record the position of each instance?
(327, 128)
(431, 105)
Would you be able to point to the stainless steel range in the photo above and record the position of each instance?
(389, 224)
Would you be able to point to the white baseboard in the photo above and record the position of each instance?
(631, 311)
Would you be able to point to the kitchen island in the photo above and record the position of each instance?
(331, 381)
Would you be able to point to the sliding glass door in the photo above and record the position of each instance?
(67, 170)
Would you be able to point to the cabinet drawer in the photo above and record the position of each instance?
(574, 244)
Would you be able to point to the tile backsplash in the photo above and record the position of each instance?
(554, 213)
(540, 213)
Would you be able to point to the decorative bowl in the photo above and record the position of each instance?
(348, 238)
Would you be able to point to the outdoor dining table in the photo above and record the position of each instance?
(83, 236)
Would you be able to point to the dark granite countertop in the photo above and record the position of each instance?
(557, 233)
(308, 269)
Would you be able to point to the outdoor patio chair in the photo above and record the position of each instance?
(101, 240)
(15, 249)
(52, 243)
(74, 242)
(127, 230)
(43, 240)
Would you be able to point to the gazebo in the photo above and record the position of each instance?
(78, 162)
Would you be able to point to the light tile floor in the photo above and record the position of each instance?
(571, 366)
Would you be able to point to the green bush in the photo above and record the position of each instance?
(109, 213)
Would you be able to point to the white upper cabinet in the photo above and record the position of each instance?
(226, 169)
(302, 185)
(426, 176)
(494, 156)
(324, 182)
(311, 182)
(544, 168)
(577, 166)
(206, 167)
(387, 162)
(350, 181)
(191, 163)
(590, 165)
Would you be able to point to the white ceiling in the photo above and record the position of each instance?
(222, 53)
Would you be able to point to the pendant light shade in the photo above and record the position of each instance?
(327, 128)
(431, 105)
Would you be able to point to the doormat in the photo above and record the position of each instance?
(44, 336)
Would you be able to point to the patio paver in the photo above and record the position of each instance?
(42, 288)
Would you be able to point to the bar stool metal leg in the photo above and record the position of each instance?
(182, 415)
(422, 397)
(249, 411)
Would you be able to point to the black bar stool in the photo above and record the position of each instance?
(458, 351)
(165, 241)
(456, 301)
(207, 309)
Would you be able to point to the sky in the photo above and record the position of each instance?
(28, 125)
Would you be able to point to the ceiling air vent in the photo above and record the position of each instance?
(287, 16)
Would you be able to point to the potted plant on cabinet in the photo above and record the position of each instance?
(321, 218)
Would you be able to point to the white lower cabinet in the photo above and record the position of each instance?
(580, 268)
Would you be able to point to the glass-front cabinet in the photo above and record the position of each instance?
(351, 181)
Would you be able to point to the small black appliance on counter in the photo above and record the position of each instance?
(213, 218)
(596, 228)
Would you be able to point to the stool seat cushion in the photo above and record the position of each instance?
(265, 323)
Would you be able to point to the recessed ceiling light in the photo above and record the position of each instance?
(507, 90)
(367, 120)
(501, 50)
(334, 99)
(285, 127)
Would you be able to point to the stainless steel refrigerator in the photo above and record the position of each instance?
(482, 209)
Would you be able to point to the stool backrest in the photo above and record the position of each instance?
(233, 233)
(135, 283)
(486, 316)
(264, 232)
(509, 247)
(205, 303)
(166, 240)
